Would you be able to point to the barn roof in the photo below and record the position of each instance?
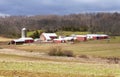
(81, 36)
(97, 35)
(23, 39)
(48, 35)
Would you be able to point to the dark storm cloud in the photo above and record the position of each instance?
(35, 7)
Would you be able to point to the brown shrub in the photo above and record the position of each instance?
(68, 53)
(59, 51)
(83, 56)
(1, 48)
(114, 60)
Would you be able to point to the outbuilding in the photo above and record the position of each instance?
(48, 36)
(59, 41)
(22, 40)
(97, 36)
(81, 37)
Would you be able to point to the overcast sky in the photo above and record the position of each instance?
(60, 7)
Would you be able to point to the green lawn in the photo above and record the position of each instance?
(68, 33)
(60, 32)
(31, 32)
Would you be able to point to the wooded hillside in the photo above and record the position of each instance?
(108, 23)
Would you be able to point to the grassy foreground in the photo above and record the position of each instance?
(55, 69)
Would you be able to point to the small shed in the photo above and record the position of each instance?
(48, 36)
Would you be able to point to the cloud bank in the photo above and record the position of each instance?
(60, 7)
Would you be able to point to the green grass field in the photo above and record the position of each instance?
(60, 32)
(68, 33)
(31, 32)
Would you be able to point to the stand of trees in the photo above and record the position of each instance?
(108, 23)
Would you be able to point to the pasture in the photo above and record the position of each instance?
(96, 48)
(3, 39)
(55, 69)
(31, 60)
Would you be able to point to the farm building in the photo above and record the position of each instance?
(97, 36)
(48, 36)
(81, 37)
(63, 39)
(59, 40)
(91, 36)
(69, 38)
(23, 38)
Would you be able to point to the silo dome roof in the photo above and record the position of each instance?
(23, 28)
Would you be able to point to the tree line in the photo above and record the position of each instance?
(108, 23)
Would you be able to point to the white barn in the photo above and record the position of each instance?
(48, 36)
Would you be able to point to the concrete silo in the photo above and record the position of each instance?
(23, 33)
